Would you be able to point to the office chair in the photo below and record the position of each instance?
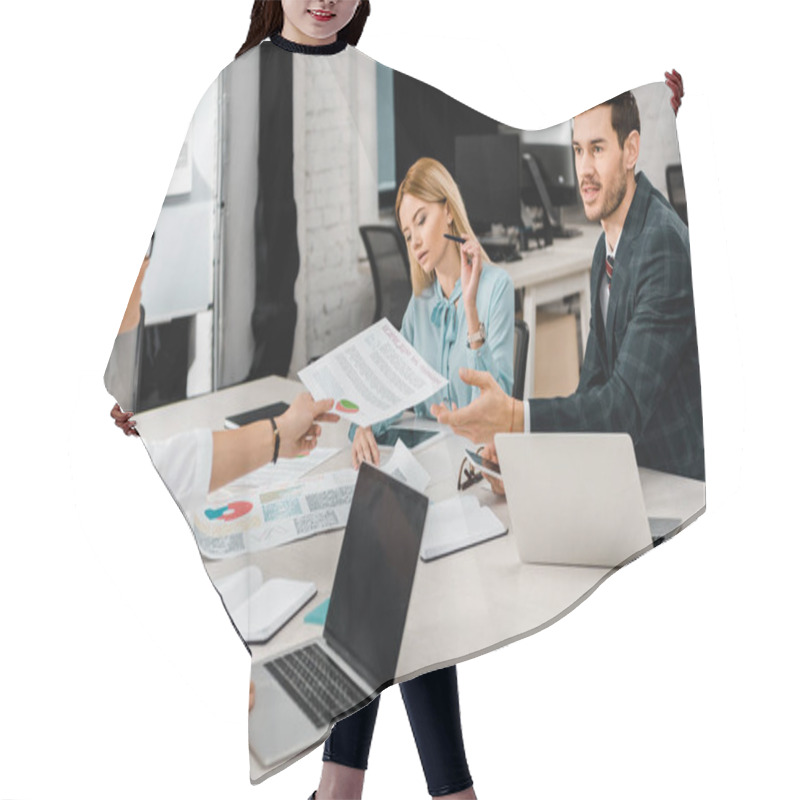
(391, 275)
(521, 338)
(164, 358)
(676, 191)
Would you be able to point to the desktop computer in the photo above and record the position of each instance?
(488, 176)
(549, 183)
(514, 191)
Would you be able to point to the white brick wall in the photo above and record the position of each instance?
(659, 146)
(334, 196)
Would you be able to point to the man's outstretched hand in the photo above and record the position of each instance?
(490, 413)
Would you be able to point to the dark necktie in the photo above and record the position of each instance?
(609, 268)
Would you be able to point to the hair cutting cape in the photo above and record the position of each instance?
(259, 268)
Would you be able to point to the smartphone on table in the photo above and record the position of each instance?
(483, 464)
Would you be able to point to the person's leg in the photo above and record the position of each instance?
(433, 711)
(346, 754)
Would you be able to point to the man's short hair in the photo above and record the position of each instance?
(624, 115)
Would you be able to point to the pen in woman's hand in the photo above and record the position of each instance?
(458, 240)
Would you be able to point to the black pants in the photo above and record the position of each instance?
(432, 706)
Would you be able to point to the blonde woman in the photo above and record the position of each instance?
(461, 313)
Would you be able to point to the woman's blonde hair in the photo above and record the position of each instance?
(427, 179)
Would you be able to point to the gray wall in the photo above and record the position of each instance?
(237, 279)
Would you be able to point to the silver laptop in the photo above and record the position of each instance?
(298, 693)
(576, 498)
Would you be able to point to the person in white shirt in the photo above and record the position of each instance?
(197, 462)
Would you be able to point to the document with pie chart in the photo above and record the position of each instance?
(372, 376)
(232, 524)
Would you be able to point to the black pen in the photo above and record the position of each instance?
(452, 238)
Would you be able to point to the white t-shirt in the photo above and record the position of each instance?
(605, 287)
(184, 463)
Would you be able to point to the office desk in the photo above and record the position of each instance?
(550, 274)
(461, 605)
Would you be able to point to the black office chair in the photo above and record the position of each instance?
(676, 191)
(521, 338)
(391, 275)
(164, 357)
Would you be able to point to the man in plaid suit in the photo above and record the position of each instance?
(640, 373)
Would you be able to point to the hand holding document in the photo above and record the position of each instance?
(373, 376)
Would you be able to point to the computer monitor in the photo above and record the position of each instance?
(557, 165)
(487, 173)
(548, 182)
(676, 191)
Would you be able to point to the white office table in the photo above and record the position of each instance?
(551, 273)
(461, 605)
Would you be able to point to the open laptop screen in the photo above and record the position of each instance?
(375, 573)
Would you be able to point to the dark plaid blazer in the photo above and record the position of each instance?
(640, 372)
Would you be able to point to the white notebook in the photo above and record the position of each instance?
(456, 524)
(258, 608)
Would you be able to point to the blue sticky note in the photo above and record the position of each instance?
(317, 615)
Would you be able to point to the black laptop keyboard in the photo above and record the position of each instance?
(315, 683)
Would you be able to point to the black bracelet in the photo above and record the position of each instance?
(277, 439)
